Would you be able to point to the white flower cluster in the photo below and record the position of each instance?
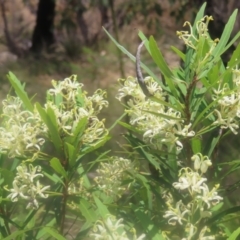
(22, 131)
(156, 129)
(226, 95)
(111, 175)
(111, 228)
(27, 187)
(201, 199)
(70, 104)
(195, 40)
(190, 39)
(228, 99)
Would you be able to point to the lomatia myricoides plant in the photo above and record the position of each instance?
(166, 181)
(177, 122)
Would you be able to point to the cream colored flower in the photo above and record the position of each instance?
(176, 214)
(27, 187)
(110, 229)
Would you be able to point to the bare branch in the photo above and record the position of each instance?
(139, 72)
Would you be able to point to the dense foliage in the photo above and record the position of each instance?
(166, 184)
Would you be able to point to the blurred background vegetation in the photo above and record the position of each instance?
(41, 40)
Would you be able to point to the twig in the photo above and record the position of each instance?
(63, 208)
(188, 97)
(139, 72)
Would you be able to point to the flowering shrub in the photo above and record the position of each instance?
(49, 142)
(190, 214)
(146, 114)
(167, 182)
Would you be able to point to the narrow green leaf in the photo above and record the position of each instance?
(217, 207)
(51, 127)
(96, 145)
(196, 145)
(231, 42)
(81, 171)
(71, 153)
(148, 157)
(149, 227)
(144, 38)
(139, 147)
(163, 67)
(199, 16)
(158, 58)
(52, 232)
(167, 104)
(232, 162)
(218, 217)
(43, 232)
(20, 91)
(225, 35)
(16, 234)
(190, 53)
(179, 53)
(213, 144)
(78, 131)
(87, 211)
(201, 116)
(205, 130)
(213, 75)
(235, 234)
(57, 166)
(117, 121)
(51, 115)
(202, 48)
(57, 99)
(235, 56)
(103, 211)
(80, 98)
(145, 183)
(129, 127)
(42, 113)
(53, 177)
(84, 227)
(232, 169)
(172, 163)
(133, 58)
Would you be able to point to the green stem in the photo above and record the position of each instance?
(64, 198)
(63, 209)
(3, 213)
(188, 98)
(188, 112)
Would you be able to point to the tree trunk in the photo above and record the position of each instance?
(82, 24)
(12, 46)
(43, 33)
